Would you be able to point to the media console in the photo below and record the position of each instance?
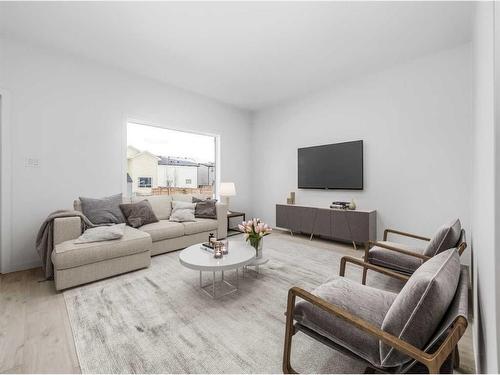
(356, 226)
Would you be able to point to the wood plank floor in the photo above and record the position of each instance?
(36, 337)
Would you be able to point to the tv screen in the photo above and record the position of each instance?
(335, 166)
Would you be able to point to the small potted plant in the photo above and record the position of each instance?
(254, 231)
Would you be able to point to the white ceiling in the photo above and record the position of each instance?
(251, 55)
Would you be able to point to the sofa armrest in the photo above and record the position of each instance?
(67, 228)
(221, 220)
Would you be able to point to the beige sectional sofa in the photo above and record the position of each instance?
(76, 264)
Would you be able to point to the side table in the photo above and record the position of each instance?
(233, 231)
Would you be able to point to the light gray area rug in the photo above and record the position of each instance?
(158, 321)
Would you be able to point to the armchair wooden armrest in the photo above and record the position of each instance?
(405, 234)
(393, 248)
(432, 361)
(348, 259)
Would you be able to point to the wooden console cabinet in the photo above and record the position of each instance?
(357, 226)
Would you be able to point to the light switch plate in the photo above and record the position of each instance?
(32, 162)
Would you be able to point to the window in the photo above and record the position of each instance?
(166, 162)
(145, 182)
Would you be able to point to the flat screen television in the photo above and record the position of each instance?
(334, 166)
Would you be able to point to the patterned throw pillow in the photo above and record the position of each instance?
(205, 208)
(138, 214)
(182, 211)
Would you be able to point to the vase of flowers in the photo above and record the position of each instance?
(254, 232)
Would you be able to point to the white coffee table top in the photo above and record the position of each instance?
(196, 258)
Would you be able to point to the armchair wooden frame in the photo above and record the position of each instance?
(433, 361)
(462, 245)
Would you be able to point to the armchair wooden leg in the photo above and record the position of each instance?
(289, 332)
(365, 271)
(456, 358)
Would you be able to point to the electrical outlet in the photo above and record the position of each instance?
(32, 163)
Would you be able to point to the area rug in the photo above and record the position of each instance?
(158, 321)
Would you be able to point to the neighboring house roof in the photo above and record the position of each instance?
(168, 160)
(147, 153)
(208, 164)
(131, 151)
(129, 179)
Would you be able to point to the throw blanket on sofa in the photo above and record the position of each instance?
(45, 237)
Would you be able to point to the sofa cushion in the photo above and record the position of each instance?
(394, 260)
(102, 233)
(199, 226)
(161, 205)
(189, 197)
(366, 302)
(68, 254)
(163, 230)
(205, 208)
(445, 238)
(102, 211)
(77, 203)
(182, 211)
(421, 304)
(138, 214)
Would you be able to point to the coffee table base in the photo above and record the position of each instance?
(211, 288)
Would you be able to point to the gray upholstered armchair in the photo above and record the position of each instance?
(406, 259)
(388, 332)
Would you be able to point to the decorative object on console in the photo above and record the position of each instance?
(352, 205)
(226, 190)
(254, 231)
(340, 205)
(291, 198)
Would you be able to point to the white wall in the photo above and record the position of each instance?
(415, 121)
(484, 196)
(71, 115)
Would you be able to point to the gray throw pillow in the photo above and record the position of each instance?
(445, 238)
(419, 307)
(138, 214)
(103, 211)
(103, 233)
(205, 208)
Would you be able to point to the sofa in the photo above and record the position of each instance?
(76, 264)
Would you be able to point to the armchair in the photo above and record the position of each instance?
(406, 259)
(393, 333)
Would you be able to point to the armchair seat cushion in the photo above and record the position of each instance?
(368, 303)
(394, 260)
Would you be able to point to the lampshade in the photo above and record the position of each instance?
(227, 189)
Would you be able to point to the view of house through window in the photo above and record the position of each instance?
(164, 161)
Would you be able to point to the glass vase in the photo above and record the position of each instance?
(257, 244)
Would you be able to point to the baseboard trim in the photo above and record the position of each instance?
(23, 267)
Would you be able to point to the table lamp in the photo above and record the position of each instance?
(226, 190)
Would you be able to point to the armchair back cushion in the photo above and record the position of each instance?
(420, 305)
(445, 238)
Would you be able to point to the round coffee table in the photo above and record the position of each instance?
(196, 258)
